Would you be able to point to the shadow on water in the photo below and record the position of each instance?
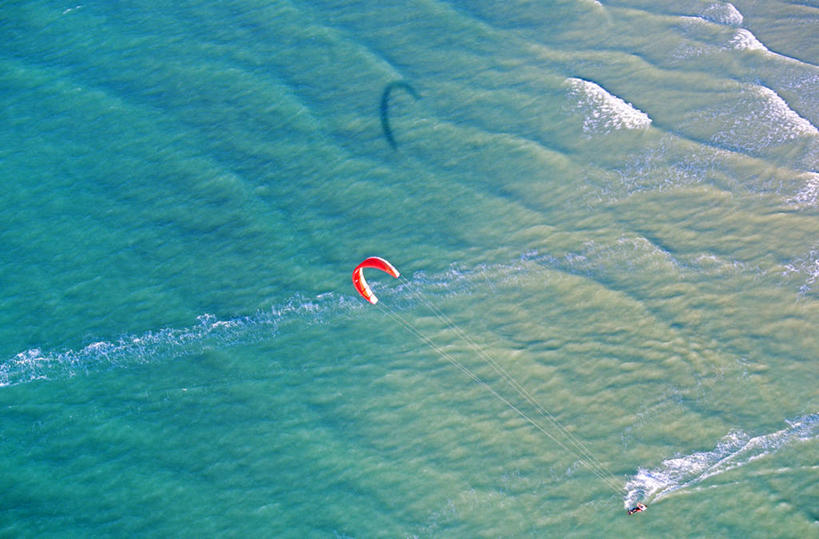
(385, 104)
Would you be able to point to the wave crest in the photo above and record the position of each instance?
(759, 118)
(604, 112)
(722, 13)
(744, 40)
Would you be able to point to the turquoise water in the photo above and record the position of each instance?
(615, 203)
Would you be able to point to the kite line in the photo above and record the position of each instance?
(569, 443)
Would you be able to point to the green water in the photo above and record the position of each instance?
(614, 202)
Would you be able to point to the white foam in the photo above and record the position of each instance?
(792, 125)
(734, 450)
(808, 195)
(807, 266)
(744, 40)
(758, 118)
(167, 343)
(211, 332)
(722, 13)
(604, 112)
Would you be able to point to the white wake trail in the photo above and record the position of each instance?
(733, 451)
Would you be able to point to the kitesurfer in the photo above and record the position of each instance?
(638, 509)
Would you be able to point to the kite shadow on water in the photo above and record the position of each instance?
(385, 105)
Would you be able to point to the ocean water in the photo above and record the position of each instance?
(604, 212)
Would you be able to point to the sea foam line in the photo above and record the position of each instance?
(168, 343)
(734, 450)
(604, 112)
(211, 332)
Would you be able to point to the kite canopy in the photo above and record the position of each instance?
(361, 284)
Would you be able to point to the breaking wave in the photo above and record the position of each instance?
(744, 40)
(734, 450)
(760, 118)
(722, 13)
(604, 112)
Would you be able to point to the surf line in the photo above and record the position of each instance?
(385, 107)
(565, 440)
